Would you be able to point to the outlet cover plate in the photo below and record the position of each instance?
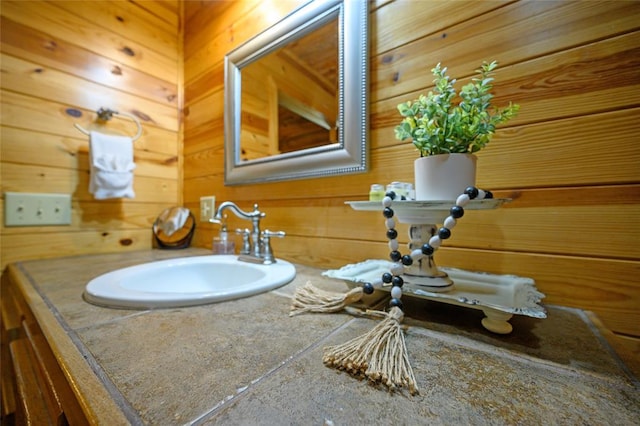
(207, 208)
(29, 209)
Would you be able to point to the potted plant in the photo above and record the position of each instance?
(448, 133)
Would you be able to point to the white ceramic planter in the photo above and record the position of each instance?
(444, 176)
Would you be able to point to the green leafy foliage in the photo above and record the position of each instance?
(437, 126)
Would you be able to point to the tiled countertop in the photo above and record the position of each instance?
(247, 362)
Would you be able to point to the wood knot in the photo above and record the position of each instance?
(128, 51)
(50, 45)
(141, 115)
(116, 70)
(126, 242)
(73, 112)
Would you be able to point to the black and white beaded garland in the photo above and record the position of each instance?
(393, 277)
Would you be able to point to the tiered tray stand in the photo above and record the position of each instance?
(498, 296)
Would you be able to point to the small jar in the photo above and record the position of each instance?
(399, 189)
(404, 190)
(223, 246)
(411, 193)
(377, 192)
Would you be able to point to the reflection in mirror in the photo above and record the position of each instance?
(296, 96)
(289, 97)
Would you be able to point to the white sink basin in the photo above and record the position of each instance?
(186, 281)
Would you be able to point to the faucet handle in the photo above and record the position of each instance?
(278, 234)
(246, 242)
(266, 242)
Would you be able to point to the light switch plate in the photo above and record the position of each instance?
(29, 209)
(207, 208)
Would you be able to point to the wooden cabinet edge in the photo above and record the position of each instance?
(92, 396)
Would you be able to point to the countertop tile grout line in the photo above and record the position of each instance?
(113, 320)
(246, 390)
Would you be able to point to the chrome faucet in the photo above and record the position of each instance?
(257, 244)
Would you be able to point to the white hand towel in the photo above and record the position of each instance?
(111, 165)
(173, 219)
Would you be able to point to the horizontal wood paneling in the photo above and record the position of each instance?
(166, 10)
(526, 156)
(21, 146)
(501, 229)
(34, 45)
(37, 81)
(29, 178)
(129, 21)
(33, 246)
(44, 116)
(61, 61)
(92, 35)
(401, 22)
(570, 160)
(598, 77)
(566, 24)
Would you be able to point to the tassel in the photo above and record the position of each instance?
(312, 299)
(379, 355)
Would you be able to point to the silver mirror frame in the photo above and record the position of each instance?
(350, 154)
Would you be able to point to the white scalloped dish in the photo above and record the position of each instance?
(498, 296)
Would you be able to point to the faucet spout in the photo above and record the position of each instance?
(237, 211)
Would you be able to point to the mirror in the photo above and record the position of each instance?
(296, 96)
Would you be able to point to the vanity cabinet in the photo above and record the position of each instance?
(34, 387)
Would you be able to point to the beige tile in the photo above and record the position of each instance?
(459, 385)
(565, 337)
(174, 365)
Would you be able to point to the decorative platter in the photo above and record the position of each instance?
(498, 296)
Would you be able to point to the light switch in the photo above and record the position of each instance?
(28, 209)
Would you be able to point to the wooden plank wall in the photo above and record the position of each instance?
(570, 161)
(61, 61)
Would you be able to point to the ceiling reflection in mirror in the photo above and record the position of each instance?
(296, 96)
(290, 96)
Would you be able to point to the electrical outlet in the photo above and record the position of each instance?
(27, 209)
(207, 208)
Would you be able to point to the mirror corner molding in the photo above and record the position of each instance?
(344, 148)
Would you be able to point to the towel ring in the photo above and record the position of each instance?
(106, 114)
